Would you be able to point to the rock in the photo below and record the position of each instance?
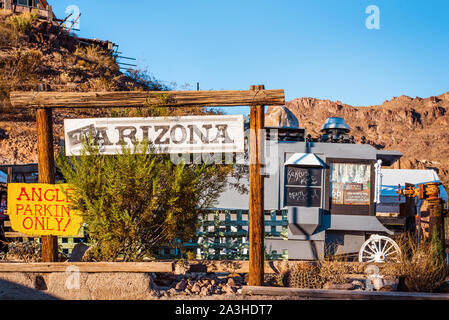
(333, 286)
(78, 252)
(387, 289)
(181, 268)
(196, 288)
(231, 282)
(280, 116)
(204, 292)
(357, 284)
(229, 290)
(172, 292)
(391, 282)
(182, 285)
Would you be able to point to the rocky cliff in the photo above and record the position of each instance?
(418, 127)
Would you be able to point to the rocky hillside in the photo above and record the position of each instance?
(418, 127)
(34, 52)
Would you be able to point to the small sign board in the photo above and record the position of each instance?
(43, 209)
(181, 135)
(303, 197)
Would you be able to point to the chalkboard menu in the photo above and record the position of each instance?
(303, 197)
(310, 177)
(303, 187)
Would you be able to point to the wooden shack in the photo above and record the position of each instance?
(41, 7)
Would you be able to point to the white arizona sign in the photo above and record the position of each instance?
(192, 134)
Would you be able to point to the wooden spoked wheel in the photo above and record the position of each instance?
(380, 249)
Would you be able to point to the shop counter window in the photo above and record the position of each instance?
(350, 183)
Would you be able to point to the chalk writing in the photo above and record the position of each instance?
(304, 176)
(303, 197)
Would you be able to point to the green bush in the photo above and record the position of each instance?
(135, 203)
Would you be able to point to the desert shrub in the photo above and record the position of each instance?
(420, 268)
(333, 267)
(24, 251)
(135, 203)
(95, 60)
(22, 22)
(100, 84)
(143, 80)
(20, 68)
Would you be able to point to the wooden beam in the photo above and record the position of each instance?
(158, 266)
(46, 168)
(138, 99)
(256, 195)
(341, 294)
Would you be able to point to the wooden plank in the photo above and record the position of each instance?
(341, 294)
(138, 99)
(157, 266)
(18, 235)
(256, 195)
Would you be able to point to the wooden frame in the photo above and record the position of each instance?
(257, 98)
(346, 209)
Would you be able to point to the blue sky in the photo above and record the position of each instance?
(320, 49)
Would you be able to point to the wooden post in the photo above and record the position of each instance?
(256, 195)
(436, 226)
(46, 168)
(10, 175)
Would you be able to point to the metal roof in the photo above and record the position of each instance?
(305, 159)
(391, 178)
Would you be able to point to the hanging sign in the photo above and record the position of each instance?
(191, 134)
(43, 209)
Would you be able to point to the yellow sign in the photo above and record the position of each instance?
(42, 209)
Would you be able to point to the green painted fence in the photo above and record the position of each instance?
(223, 235)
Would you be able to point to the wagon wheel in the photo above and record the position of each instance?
(380, 249)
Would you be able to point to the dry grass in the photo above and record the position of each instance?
(333, 269)
(96, 61)
(22, 22)
(420, 269)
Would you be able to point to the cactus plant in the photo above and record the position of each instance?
(305, 278)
